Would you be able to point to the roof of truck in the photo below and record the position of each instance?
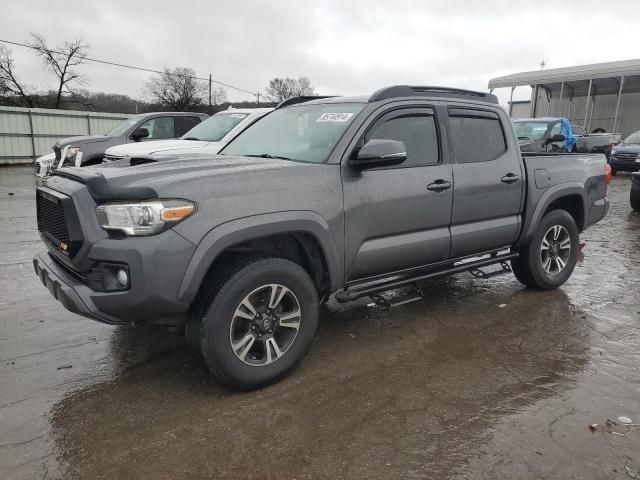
(403, 91)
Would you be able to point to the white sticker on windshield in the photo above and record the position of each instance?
(334, 117)
(238, 115)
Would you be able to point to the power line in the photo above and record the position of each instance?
(142, 69)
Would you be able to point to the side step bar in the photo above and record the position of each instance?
(366, 289)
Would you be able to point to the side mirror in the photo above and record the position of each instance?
(139, 133)
(556, 138)
(379, 153)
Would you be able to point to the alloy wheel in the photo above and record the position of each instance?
(265, 325)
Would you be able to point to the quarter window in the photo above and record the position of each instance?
(477, 135)
(418, 132)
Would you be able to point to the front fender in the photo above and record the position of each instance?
(254, 227)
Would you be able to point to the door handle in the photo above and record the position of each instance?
(439, 185)
(510, 178)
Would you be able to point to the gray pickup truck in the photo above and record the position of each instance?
(352, 196)
(87, 150)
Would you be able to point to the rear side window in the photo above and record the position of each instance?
(186, 123)
(477, 135)
(416, 129)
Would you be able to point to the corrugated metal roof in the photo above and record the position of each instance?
(569, 74)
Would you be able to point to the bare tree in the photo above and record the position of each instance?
(218, 95)
(280, 89)
(62, 62)
(12, 90)
(177, 89)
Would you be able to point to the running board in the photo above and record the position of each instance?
(398, 296)
(356, 291)
(478, 273)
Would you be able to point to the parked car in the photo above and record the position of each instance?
(206, 138)
(634, 196)
(546, 134)
(354, 195)
(626, 156)
(88, 150)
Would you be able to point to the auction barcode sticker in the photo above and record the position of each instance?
(334, 117)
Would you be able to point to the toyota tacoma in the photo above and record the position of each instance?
(348, 196)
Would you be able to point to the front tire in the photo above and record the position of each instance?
(255, 321)
(549, 259)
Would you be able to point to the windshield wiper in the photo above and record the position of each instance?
(192, 138)
(268, 155)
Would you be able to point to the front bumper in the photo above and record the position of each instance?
(624, 165)
(73, 295)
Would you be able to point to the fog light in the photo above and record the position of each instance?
(122, 277)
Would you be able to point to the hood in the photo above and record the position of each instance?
(164, 147)
(626, 148)
(182, 177)
(81, 140)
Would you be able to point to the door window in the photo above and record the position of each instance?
(418, 131)
(477, 135)
(160, 128)
(186, 123)
(555, 130)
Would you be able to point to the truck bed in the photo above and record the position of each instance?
(579, 174)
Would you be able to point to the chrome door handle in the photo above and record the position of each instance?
(439, 185)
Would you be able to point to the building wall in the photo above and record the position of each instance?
(26, 134)
(601, 111)
(521, 110)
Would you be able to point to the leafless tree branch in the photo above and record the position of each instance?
(62, 61)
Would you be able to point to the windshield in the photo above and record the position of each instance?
(634, 138)
(121, 128)
(216, 127)
(306, 133)
(531, 130)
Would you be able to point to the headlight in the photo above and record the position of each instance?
(143, 218)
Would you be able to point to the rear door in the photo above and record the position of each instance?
(488, 181)
(398, 217)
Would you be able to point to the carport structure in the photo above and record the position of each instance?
(601, 95)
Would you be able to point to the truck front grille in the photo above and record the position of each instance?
(51, 221)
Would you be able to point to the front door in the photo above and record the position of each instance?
(398, 217)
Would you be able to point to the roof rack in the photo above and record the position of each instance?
(301, 99)
(413, 91)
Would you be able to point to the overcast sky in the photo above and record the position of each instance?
(344, 47)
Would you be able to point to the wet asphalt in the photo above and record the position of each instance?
(481, 379)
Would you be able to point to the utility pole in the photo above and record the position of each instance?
(209, 89)
(258, 96)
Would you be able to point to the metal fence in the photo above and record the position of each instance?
(27, 133)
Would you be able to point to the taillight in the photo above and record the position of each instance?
(607, 174)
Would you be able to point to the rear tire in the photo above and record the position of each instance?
(549, 259)
(254, 321)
